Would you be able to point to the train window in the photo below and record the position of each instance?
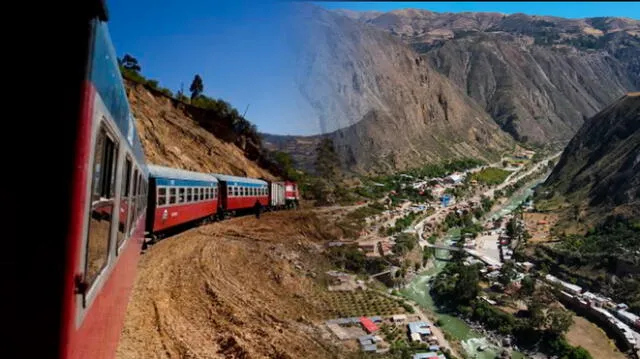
(102, 201)
(172, 195)
(235, 191)
(162, 196)
(215, 193)
(201, 193)
(189, 194)
(124, 202)
(207, 194)
(181, 195)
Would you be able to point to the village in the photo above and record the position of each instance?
(489, 249)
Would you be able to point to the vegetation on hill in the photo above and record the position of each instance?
(606, 259)
(541, 327)
(216, 116)
(490, 176)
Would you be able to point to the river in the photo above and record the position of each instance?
(418, 289)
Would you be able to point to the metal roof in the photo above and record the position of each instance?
(228, 178)
(175, 173)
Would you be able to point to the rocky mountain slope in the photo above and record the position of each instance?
(385, 107)
(599, 171)
(538, 76)
(173, 134)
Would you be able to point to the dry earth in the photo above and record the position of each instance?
(241, 288)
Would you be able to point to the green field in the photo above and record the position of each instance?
(359, 303)
(490, 176)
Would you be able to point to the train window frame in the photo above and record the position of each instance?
(172, 196)
(181, 195)
(161, 196)
(189, 195)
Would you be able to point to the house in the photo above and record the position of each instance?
(399, 318)
(415, 337)
(368, 325)
(422, 328)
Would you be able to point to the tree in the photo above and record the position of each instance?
(528, 286)
(197, 87)
(130, 63)
(537, 317)
(507, 273)
(579, 353)
(559, 320)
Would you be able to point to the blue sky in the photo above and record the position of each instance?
(240, 49)
(561, 9)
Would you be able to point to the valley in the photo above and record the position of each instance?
(472, 192)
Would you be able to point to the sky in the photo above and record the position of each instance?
(239, 47)
(561, 9)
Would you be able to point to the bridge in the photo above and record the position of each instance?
(471, 252)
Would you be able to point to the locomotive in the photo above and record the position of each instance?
(116, 200)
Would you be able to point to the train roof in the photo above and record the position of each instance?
(180, 174)
(228, 178)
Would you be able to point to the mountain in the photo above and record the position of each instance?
(599, 170)
(384, 106)
(539, 77)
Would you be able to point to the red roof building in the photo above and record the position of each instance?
(368, 325)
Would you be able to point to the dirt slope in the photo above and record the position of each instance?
(236, 289)
(171, 136)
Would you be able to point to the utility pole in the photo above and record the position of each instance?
(245, 110)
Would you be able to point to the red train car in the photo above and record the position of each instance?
(241, 193)
(178, 197)
(106, 210)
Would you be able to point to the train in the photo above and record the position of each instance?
(116, 202)
(179, 197)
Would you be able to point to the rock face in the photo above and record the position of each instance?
(385, 107)
(600, 168)
(539, 77)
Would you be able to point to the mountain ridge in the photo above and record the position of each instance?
(563, 70)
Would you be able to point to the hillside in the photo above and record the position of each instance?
(599, 171)
(241, 288)
(539, 77)
(173, 134)
(384, 106)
